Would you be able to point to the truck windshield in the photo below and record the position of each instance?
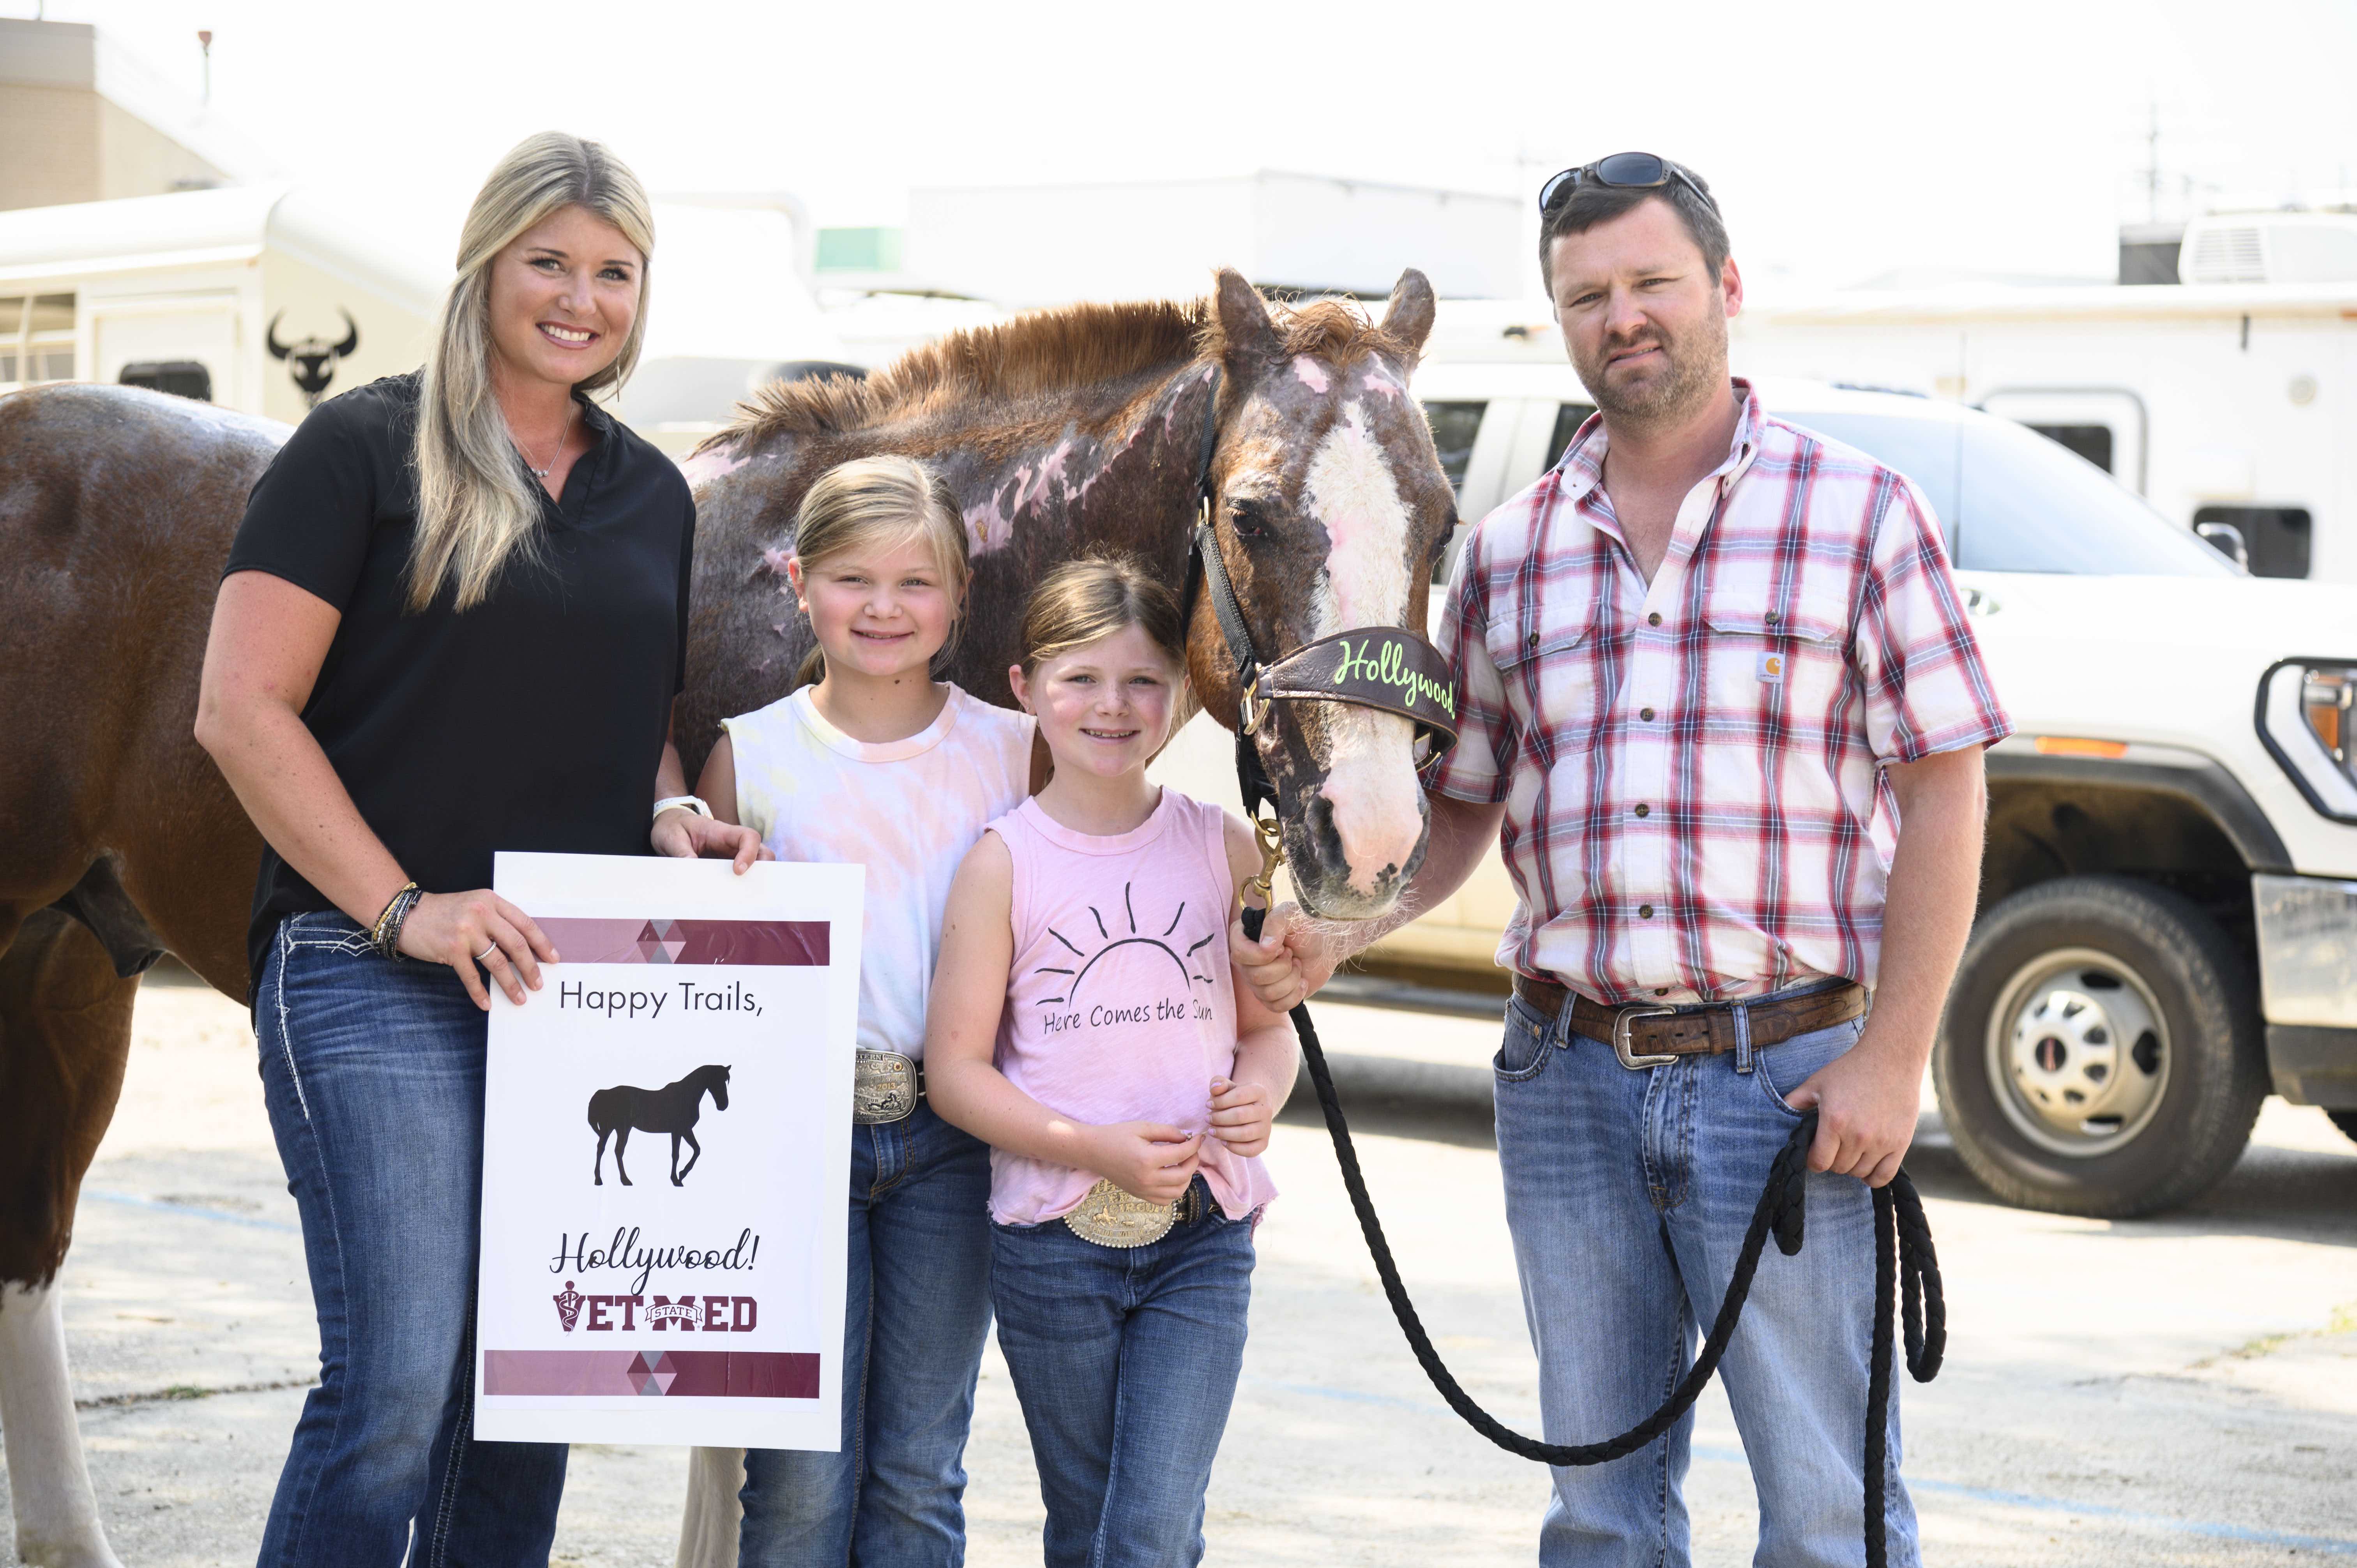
(2011, 501)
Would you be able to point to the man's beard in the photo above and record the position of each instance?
(1695, 368)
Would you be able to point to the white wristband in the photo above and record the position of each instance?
(684, 802)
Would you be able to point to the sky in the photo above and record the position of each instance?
(1846, 141)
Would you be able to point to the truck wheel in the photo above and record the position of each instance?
(2102, 1052)
(2346, 1121)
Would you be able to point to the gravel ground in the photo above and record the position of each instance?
(2180, 1391)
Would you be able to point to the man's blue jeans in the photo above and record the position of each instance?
(1628, 1193)
(372, 1073)
(916, 1311)
(1125, 1361)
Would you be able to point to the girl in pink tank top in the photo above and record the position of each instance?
(1085, 1023)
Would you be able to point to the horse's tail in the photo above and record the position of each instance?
(602, 1111)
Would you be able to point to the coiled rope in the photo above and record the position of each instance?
(1905, 1266)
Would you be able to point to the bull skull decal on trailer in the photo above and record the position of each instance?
(312, 360)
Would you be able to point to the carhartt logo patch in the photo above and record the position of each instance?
(1771, 668)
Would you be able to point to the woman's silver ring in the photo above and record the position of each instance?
(484, 956)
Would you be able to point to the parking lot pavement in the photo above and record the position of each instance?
(2180, 1391)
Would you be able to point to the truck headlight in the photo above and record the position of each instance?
(2307, 719)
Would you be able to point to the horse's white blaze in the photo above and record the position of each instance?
(1371, 784)
(48, 1483)
(1351, 494)
(1369, 778)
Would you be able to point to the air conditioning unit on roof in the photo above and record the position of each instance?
(2269, 247)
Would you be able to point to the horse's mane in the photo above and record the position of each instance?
(1045, 350)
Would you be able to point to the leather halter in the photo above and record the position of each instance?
(1387, 668)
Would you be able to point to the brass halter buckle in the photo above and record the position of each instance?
(1620, 1047)
(1272, 855)
(1250, 706)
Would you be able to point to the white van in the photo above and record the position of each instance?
(2167, 923)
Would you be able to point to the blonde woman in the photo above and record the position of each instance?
(453, 622)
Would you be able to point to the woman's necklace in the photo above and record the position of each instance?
(562, 435)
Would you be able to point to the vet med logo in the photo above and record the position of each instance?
(1771, 668)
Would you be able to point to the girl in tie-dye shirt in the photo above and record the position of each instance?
(878, 762)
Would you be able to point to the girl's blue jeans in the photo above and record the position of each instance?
(1628, 1194)
(1125, 1362)
(916, 1311)
(372, 1073)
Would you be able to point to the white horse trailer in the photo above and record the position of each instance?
(2228, 401)
(259, 298)
(268, 298)
(2225, 406)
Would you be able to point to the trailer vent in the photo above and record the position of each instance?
(2227, 253)
(2271, 247)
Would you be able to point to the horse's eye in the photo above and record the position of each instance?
(1249, 519)
(1440, 551)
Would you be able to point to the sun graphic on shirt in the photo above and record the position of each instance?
(1089, 955)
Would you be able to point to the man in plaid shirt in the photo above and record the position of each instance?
(1722, 709)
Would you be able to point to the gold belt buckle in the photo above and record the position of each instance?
(883, 1088)
(1620, 1048)
(1112, 1218)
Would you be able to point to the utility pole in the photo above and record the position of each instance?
(205, 42)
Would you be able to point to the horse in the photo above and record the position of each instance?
(1063, 432)
(625, 1108)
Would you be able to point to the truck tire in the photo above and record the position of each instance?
(2102, 1052)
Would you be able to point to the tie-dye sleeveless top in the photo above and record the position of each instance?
(908, 809)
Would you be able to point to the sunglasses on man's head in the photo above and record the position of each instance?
(1623, 171)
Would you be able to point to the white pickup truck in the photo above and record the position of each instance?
(2168, 920)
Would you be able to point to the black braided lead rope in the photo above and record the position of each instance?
(1902, 1248)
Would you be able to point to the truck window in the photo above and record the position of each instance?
(1569, 418)
(2277, 536)
(2011, 501)
(1454, 426)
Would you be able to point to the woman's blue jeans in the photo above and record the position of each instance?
(372, 1073)
(916, 1311)
(1628, 1194)
(1125, 1361)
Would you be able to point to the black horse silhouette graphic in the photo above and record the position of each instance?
(618, 1111)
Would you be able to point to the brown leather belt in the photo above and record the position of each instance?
(1648, 1036)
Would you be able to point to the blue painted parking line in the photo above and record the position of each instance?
(2330, 1546)
(194, 1211)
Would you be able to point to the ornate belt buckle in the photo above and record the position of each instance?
(883, 1088)
(1112, 1218)
(1621, 1022)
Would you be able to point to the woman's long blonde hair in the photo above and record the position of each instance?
(881, 502)
(475, 505)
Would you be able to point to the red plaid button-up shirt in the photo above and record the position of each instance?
(1692, 767)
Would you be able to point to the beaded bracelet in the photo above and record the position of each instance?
(385, 934)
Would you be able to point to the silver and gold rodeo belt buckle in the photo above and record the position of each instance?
(1112, 1218)
(883, 1088)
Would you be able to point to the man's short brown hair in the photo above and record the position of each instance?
(1591, 203)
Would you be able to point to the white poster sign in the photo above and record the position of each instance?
(666, 1146)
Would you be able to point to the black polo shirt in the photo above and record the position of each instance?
(534, 720)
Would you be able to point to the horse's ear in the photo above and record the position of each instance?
(1244, 325)
(1408, 316)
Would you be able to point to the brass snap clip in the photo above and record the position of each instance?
(1272, 855)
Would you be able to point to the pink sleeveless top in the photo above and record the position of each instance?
(1120, 1005)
